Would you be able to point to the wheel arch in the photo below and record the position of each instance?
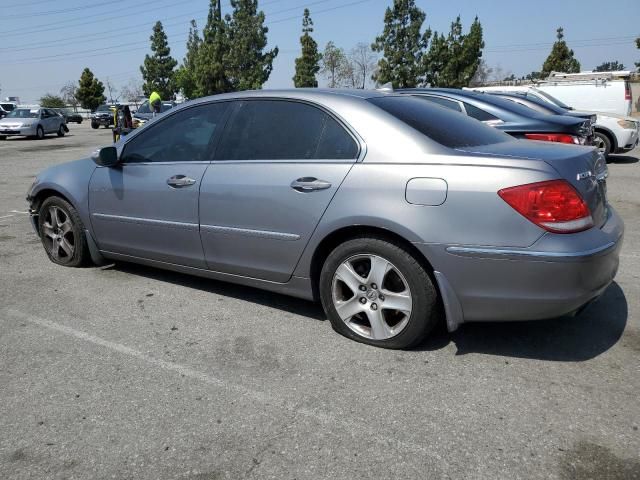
(610, 135)
(343, 234)
(45, 193)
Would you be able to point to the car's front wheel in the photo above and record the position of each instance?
(375, 291)
(61, 131)
(94, 125)
(39, 132)
(602, 143)
(62, 233)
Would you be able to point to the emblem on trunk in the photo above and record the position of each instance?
(583, 175)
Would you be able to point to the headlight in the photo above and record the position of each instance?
(628, 124)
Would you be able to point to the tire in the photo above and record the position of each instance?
(3, 137)
(79, 121)
(39, 132)
(61, 131)
(63, 240)
(94, 125)
(405, 282)
(602, 143)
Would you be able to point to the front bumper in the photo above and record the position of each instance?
(628, 141)
(18, 131)
(557, 275)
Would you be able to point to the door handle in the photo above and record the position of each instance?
(309, 184)
(179, 181)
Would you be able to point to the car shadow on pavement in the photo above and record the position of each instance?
(254, 295)
(565, 339)
(622, 159)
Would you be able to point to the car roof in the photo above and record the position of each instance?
(297, 93)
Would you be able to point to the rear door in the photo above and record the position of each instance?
(147, 206)
(275, 172)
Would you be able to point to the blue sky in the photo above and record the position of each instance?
(111, 38)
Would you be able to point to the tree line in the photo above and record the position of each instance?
(231, 54)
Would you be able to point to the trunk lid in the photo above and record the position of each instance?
(583, 167)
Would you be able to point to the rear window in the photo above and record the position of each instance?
(442, 125)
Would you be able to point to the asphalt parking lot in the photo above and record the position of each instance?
(127, 372)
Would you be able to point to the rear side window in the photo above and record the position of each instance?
(442, 125)
(478, 113)
(283, 130)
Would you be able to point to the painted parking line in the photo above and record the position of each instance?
(7, 216)
(18, 211)
(267, 398)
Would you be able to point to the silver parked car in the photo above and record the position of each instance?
(32, 122)
(392, 211)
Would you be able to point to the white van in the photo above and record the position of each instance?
(607, 92)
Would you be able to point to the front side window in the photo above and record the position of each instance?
(183, 137)
(284, 130)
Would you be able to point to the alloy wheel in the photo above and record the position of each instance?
(58, 236)
(371, 296)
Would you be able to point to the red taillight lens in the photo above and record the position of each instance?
(627, 90)
(554, 205)
(553, 137)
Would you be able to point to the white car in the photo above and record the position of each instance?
(612, 133)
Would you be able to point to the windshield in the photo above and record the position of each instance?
(23, 113)
(553, 100)
(104, 108)
(441, 124)
(144, 108)
(537, 104)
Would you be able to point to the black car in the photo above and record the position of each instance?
(510, 117)
(102, 116)
(69, 115)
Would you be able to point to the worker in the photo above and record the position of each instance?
(155, 102)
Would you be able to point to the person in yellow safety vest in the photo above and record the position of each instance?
(155, 102)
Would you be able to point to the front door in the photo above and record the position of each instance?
(277, 168)
(147, 206)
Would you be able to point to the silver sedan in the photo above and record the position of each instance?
(32, 122)
(394, 213)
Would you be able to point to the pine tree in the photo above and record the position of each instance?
(561, 57)
(454, 60)
(247, 64)
(638, 46)
(402, 45)
(90, 92)
(609, 66)
(158, 69)
(308, 64)
(211, 75)
(186, 74)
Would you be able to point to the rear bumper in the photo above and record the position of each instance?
(628, 141)
(555, 276)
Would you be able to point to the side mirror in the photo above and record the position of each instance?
(106, 157)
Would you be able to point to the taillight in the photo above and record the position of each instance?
(627, 90)
(553, 205)
(553, 137)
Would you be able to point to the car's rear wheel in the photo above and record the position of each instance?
(602, 143)
(374, 291)
(61, 130)
(39, 132)
(62, 233)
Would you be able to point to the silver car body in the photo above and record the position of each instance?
(243, 222)
(27, 126)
